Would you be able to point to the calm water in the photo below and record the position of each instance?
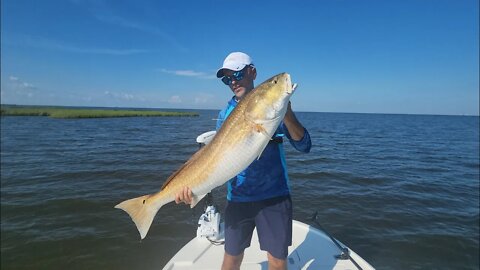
(400, 190)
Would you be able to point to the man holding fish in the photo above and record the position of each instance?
(259, 196)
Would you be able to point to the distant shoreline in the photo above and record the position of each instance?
(76, 112)
(195, 110)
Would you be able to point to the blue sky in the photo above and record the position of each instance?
(416, 57)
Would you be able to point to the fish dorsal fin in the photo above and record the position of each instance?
(193, 158)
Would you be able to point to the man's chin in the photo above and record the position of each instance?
(239, 93)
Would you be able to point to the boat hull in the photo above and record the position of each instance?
(311, 249)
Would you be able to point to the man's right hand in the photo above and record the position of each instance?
(184, 196)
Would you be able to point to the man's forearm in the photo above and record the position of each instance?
(295, 128)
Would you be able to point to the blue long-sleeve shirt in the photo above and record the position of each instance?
(266, 177)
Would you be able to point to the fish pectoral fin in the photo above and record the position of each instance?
(196, 199)
(260, 129)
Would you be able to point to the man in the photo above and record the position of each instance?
(259, 196)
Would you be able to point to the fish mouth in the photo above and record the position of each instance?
(292, 89)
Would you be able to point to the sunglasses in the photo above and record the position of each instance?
(237, 76)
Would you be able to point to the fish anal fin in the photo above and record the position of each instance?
(196, 199)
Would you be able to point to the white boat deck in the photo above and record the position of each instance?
(311, 249)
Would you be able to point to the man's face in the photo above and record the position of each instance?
(245, 85)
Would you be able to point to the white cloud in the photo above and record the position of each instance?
(20, 85)
(203, 98)
(175, 100)
(106, 12)
(43, 43)
(122, 96)
(105, 16)
(28, 85)
(19, 91)
(189, 73)
(87, 99)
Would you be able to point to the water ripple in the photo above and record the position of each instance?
(400, 190)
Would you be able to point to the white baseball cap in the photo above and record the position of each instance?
(235, 61)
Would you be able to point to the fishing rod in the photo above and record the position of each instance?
(345, 255)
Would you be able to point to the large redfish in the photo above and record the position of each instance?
(241, 139)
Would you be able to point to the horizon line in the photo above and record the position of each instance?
(210, 109)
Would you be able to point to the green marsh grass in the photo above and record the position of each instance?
(64, 112)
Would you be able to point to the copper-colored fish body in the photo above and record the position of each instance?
(240, 140)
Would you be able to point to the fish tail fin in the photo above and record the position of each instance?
(142, 211)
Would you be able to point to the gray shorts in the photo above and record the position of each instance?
(273, 219)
